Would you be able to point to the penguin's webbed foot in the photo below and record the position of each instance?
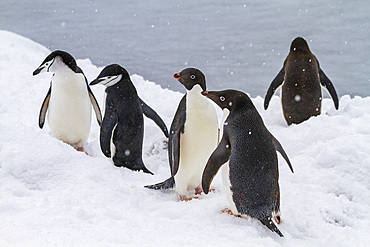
(186, 199)
(198, 190)
(277, 219)
(81, 149)
(228, 211)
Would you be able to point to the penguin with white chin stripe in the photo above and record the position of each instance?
(193, 136)
(68, 101)
(122, 130)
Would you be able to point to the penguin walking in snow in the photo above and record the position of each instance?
(122, 130)
(193, 136)
(68, 101)
(249, 151)
(300, 78)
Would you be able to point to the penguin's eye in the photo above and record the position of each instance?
(192, 77)
(222, 98)
(46, 64)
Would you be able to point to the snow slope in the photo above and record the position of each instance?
(52, 195)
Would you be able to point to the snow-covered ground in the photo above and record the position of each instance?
(52, 195)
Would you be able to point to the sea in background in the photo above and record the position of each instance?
(237, 44)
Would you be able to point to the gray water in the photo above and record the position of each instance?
(237, 44)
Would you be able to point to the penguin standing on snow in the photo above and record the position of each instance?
(122, 130)
(301, 77)
(68, 101)
(193, 136)
(250, 150)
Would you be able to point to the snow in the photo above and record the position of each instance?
(52, 195)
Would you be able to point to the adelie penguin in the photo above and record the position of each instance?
(122, 130)
(300, 78)
(193, 136)
(68, 101)
(248, 151)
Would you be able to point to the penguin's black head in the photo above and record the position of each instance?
(228, 99)
(299, 44)
(110, 75)
(57, 60)
(190, 77)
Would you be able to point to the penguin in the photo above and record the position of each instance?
(300, 78)
(122, 130)
(68, 101)
(249, 151)
(193, 136)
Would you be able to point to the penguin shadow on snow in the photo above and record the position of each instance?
(68, 102)
(122, 129)
(301, 79)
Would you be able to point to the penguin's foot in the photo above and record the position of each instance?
(277, 219)
(198, 190)
(276, 215)
(81, 149)
(184, 198)
(228, 211)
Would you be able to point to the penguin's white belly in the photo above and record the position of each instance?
(225, 170)
(69, 112)
(227, 187)
(196, 145)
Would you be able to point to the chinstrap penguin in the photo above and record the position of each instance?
(248, 150)
(122, 130)
(300, 78)
(193, 136)
(68, 101)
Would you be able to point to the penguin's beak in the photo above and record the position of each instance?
(37, 71)
(210, 96)
(96, 81)
(177, 76)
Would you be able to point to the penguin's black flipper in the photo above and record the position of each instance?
(219, 157)
(271, 225)
(177, 128)
(93, 100)
(95, 105)
(150, 113)
(325, 82)
(165, 185)
(44, 108)
(280, 149)
(109, 122)
(275, 84)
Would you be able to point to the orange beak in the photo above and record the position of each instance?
(177, 76)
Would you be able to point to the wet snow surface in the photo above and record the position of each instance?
(52, 195)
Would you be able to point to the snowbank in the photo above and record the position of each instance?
(52, 195)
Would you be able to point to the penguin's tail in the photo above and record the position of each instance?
(165, 185)
(146, 170)
(267, 221)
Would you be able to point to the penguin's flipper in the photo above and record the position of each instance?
(219, 157)
(44, 108)
(109, 122)
(150, 113)
(275, 84)
(95, 105)
(271, 225)
(165, 185)
(280, 149)
(325, 82)
(177, 128)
